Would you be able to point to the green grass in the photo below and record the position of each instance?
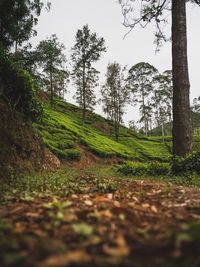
(63, 134)
(63, 182)
(97, 178)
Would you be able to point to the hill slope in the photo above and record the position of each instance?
(64, 135)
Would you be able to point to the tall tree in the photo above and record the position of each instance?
(155, 11)
(140, 78)
(115, 95)
(196, 114)
(162, 99)
(51, 58)
(17, 19)
(87, 50)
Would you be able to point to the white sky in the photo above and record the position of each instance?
(105, 18)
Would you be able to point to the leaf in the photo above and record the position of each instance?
(100, 198)
(68, 259)
(121, 217)
(154, 209)
(122, 248)
(83, 229)
(88, 202)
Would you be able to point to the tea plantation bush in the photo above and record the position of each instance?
(139, 168)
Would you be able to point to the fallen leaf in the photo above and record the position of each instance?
(39, 232)
(19, 227)
(32, 214)
(145, 205)
(122, 248)
(110, 196)
(73, 196)
(154, 209)
(100, 198)
(107, 213)
(117, 204)
(72, 257)
(88, 202)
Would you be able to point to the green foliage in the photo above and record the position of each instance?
(17, 18)
(139, 168)
(115, 95)
(63, 133)
(50, 57)
(18, 88)
(85, 52)
(191, 163)
(63, 182)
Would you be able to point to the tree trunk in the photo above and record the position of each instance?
(84, 97)
(182, 124)
(163, 133)
(51, 86)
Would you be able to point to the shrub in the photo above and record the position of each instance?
(191, 163)
(139, 168)
(18, 88)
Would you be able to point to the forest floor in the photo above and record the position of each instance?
(127, 222)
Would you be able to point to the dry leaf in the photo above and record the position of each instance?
(145, 205)
(100, 198)
(32, 214)
(122, 248)
(110, 196)
(107, 213)
(40, 233)
(73, 196)
(117, 204)
(154, 209)
(88, 202)
(72, 257)
(19, 227)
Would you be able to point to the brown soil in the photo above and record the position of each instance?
(21, 147)
(88, 159)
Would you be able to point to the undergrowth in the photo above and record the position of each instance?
(63, 183)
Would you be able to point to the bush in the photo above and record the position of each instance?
(18, 88)
(191, 163)
(139, 168)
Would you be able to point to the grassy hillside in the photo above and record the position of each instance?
(64, 135)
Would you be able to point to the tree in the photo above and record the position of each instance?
(51, 58)
(196, 114)
(17, 19)
(87, 50)
(115, 94)
(155, 11)
(162, 99)
(140, 78)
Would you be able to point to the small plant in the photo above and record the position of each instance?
(83, 230)
(189, 164)
(139, 168)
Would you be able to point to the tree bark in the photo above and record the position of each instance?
(51, 86)
(84, 97)
(182, 124)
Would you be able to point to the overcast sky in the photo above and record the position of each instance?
(104, 17)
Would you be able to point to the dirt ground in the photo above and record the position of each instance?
(142, 223)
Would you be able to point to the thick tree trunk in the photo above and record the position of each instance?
(182, 124)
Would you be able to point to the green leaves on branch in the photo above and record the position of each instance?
(17, 88)
(86, 51)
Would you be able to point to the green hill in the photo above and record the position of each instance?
(64, 135)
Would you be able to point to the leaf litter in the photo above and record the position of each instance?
(140, 223)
